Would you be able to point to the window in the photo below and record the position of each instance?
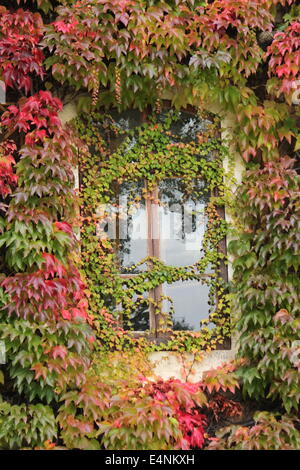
(158, 224)
(167, 225)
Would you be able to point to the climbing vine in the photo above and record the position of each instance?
(151, 152)
(238, 55)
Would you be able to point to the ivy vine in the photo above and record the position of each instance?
(152, 152)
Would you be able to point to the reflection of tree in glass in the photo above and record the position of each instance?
(139, 319)
(130, 193)
(173, 196)
(181, 325)
(127, 120)
(186, 126)
(174, 193)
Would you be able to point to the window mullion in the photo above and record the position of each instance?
(156, 245)
(150, 253)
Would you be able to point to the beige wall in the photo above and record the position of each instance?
(168, 364)
(183, 367)
(68, 113)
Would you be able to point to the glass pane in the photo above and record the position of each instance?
(139, 320)
(127, 120)
(190, 303)
(132, 226)
(182, 222)
(188, 126)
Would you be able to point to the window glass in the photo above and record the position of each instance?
(182, 222)
(132, 226)
(139, 320)
(190, 303)
(168, 223)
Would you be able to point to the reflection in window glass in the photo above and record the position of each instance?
(190, 303)
(140, 318)
(187, 127)
(132, 225)
(182, 223)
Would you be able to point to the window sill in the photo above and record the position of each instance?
(164, 338)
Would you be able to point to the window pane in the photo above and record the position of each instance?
(188, 126)
(182, 222)
(126, 223)
(190, 303)
(132, 225)
(139, 320)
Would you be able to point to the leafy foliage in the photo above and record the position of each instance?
(267, 281)
(44, 359)
(44, 320)
(157, 46)
(125, 410)
(20, 54)
(8, 179)
(133, 53)
(270, 432)
(48, 293)
(34, 424)
(156, 153)
(285, 57)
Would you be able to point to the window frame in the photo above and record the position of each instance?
(154, 250)
(226, 344)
